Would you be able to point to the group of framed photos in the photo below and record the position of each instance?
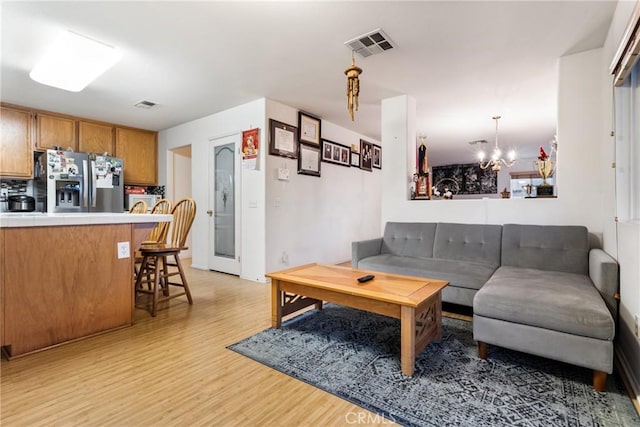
(305, 144)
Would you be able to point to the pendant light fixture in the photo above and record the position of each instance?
(496, 161)
(353, 86)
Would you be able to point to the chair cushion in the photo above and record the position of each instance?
(558, 301)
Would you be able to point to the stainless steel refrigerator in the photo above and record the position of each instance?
(68, 182)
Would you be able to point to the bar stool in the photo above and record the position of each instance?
(155, 266)
(158, 233)
(138, 207)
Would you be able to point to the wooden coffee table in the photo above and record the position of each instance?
(417, 302)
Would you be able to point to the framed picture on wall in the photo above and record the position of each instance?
(355, 159)
(283, 139)
(366, 155)
(339, 154)
(309, 160)
(309, 128)
(377, 157)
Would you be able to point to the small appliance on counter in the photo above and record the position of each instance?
(149, 199)
(21, 203)
(79, 182)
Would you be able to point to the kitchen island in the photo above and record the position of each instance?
(66, 276)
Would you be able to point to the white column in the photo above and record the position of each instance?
(398, 129)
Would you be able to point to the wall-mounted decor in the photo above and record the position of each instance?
(377, 157)
(355, 159)
(332, 152)
(283, 139)
(250, 148)
(309, 160)
(366, 155)
(470, 178)
(310, 128)
(353, 86)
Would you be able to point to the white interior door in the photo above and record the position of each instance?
(224, 205)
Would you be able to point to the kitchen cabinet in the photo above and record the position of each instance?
(52, 130)
(16, 150)
(66, 279)
(76, 290)
(95, 138)
(2, 287)
(139, 151)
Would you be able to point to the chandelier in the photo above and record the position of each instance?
(496, 161)
(353, 85)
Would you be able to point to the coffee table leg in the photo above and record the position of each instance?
(407, 339)
(276, 304)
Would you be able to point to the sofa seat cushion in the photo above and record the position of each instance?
(563, 302)
(463, 274)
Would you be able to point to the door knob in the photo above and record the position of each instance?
(209, 212)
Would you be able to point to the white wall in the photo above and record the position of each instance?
(315, 219)
(622, 239)
(578, 175)
(181, 187)
(198, 134)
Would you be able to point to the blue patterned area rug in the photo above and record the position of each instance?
(355, 355)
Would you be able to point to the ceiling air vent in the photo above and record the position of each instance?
(144, 104)
(370, 43)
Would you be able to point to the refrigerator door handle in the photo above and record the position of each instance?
(85, 178)
(94, 183)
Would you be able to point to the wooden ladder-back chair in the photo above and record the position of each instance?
(155, 267)
(160, 231)
(138, 207)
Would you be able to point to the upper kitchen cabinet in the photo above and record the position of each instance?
(16, 150)
(95, 138)
(54, 131)
(139, 151)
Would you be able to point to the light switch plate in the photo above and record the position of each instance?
(123, 250)
(283, 174)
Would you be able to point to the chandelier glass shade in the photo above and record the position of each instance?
(496, 161)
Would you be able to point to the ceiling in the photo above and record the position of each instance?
(463, 62)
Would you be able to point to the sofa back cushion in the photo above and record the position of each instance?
(410, 239)
(468, 242)
(546, 247)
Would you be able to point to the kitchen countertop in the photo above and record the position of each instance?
(40, 219)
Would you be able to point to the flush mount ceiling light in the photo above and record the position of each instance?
(496, 160)
(73, 61)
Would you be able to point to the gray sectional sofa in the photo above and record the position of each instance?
(536, 289)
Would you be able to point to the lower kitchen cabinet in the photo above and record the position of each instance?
(63, 283)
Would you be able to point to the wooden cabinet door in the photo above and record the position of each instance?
(16, 151)
(95, 138)
(139, 152)
(55, 131)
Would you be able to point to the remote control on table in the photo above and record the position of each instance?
(366, 278)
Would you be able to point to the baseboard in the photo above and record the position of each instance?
(630, 382)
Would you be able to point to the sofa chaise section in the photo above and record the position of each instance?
(552, 296)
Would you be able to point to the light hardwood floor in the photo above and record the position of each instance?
(172, 370)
